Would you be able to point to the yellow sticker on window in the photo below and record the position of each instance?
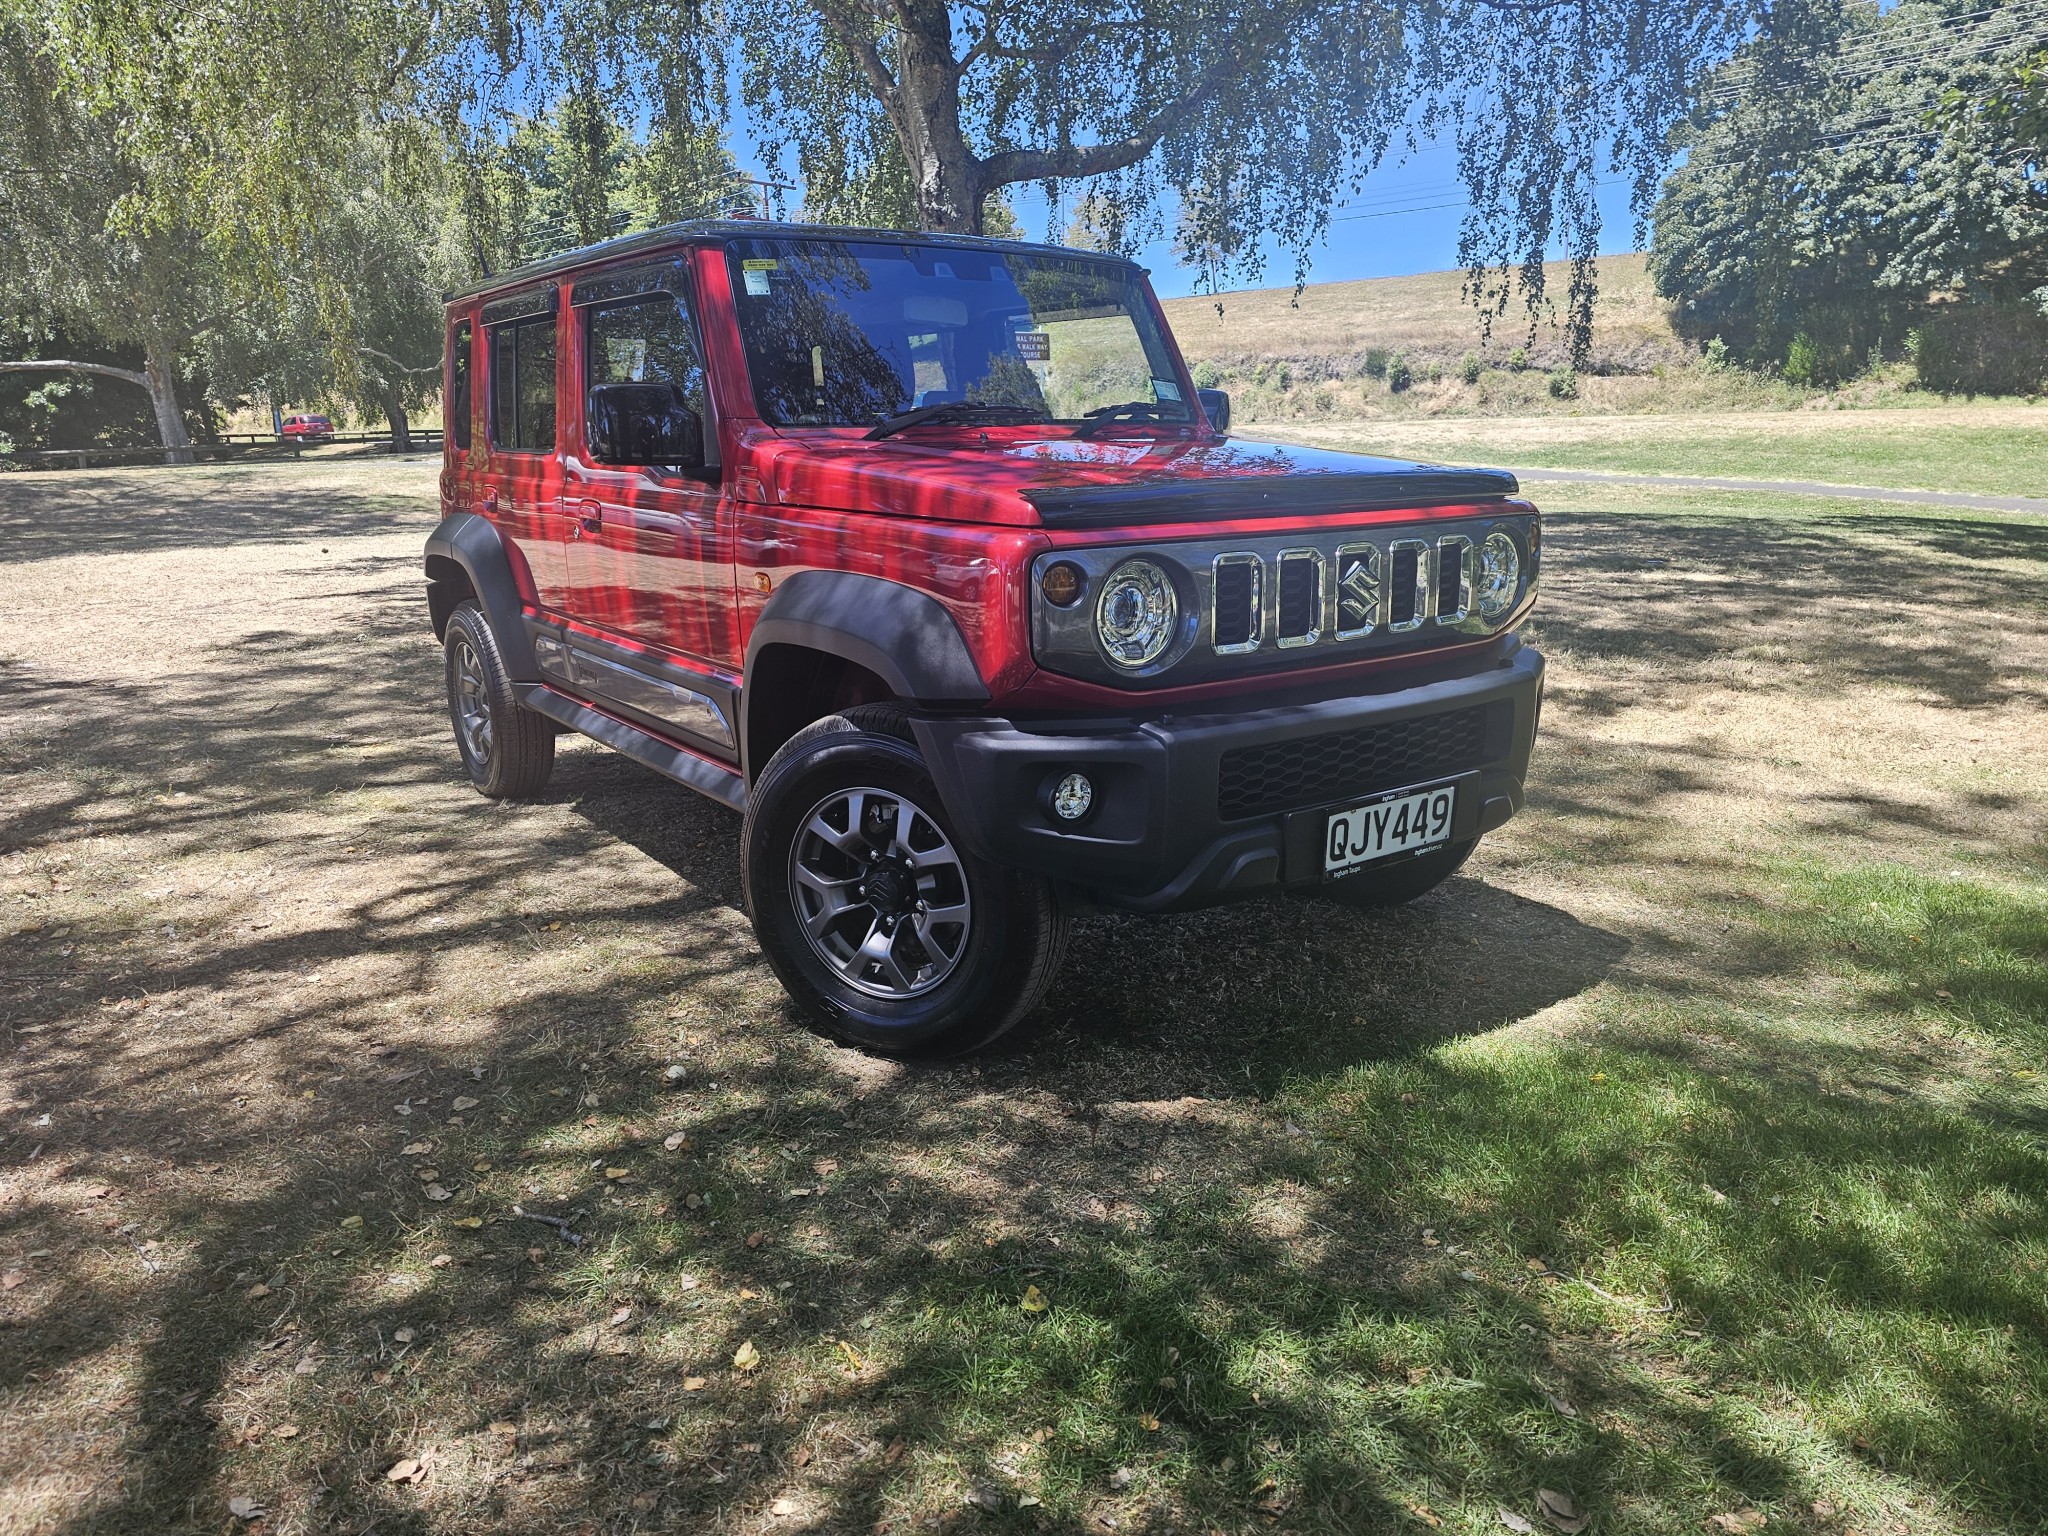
(760, 264)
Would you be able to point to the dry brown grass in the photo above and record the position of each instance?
(1425, 317)
(260, 938)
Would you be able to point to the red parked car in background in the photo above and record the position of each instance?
(308, 428)
(925, 554)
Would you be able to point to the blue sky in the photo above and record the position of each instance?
(1404, 219)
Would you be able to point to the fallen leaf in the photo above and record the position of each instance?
(747, 1294)
(615, 1174)
(407, 1471)
(258, 1292)
(350, 1223)
(308, 1364)
(98, 1191)
(246, 1509)
(1514, 1522)
(620, 1316)
(1121, 1478)
(1561, 1405)
(404, 1335)
(461, 1104)
(1939, 993)
(438, 1192)
(1149, 1423)
(417, 1149)
(645, 1501)
(11, 1279)
(824, 1167)
(471, 1222)
(1560, 1511)
(802, 1458)
(756, 1239)
(693, 1383)
(285, 1432)
(481, 1165)
(1426, 1515)
(894, 1453)
(1034, 1299)
(746, 1357)
(1737, 1521)
(1027, 1501)
(676, 1143)
(426, 1175)
(782, 1507)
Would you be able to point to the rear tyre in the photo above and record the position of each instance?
(883, 928)
(1396, 884)
(508, 750)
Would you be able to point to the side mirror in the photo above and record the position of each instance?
(1216, 406)
(643, 424)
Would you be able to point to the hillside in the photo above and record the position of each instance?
(1425, 318)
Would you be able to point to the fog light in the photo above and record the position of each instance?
(1072, 797)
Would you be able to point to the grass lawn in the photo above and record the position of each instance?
(1683, 1157)
(1991, 449)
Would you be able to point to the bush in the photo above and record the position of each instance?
(1715, 354)
(1399, 374)
(1981, 349)
(1436, 373)
(1518, 360)
(1806, 364)
(1283, 375)
(1375, 364)
(1207, 375)
(1468, 368)
(1564, 384)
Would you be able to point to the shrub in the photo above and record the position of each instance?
(1806, 364)
(1564, 384)
(1283, 375)
(1984, 349)
(1518, 360)
(1399, 374)
(1207, 375)
(1375, 364)
(1436, 373)
(1715, 354)
(1468, 368)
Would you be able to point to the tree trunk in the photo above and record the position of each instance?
(951, 181)
(160, 371)
(394, 411)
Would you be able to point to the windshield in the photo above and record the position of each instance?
(854, 332)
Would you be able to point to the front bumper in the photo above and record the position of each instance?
(1180, 822)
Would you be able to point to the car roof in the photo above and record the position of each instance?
(704, 230)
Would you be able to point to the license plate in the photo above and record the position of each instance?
(1404, 824)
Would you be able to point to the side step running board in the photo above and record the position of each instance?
(679, 763)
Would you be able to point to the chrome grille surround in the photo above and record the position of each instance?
(1397, 586)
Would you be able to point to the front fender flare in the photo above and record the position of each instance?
(904, 636)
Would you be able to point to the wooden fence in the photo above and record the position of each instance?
(230, 445)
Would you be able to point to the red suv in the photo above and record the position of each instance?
(306, 429)
(925, 554)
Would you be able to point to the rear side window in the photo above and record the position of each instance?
(645, 341)
(523, 385)
(459, 406)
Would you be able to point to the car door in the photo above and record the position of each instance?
(520, 489)
(650, 550)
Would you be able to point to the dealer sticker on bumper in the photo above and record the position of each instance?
(1404, 824)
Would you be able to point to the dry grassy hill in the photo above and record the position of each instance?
(1425, 318)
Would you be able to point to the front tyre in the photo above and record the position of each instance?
(880, 925)
(508, 750)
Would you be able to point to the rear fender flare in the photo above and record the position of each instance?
(471, 548)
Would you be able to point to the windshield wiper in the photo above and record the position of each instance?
(1131, 410)
(956, 410)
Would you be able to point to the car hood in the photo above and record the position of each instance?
(1067, 482)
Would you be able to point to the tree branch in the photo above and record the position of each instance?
(66, 365)
(1079, 160)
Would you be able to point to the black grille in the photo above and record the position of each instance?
(1401, 593)
(1299, 597)
(1450, 576)
(1286, 775)
(1234, 603)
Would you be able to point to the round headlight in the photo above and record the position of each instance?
(1135, 614)
(1500, 574)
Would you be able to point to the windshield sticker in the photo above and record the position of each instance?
(1165, 389)
(761, 264)
(1034, 346)
(757, 282)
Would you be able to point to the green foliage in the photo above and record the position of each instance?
(1374, 365)
(1469, 368)
(1828, 197)
(1207, 375)
(1715, 354)
(1518, 360)
(1563, 384)
(1399, 375)
(1981, 349)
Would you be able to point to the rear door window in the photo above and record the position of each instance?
(523, 385)
(646, 340)
(458, 386)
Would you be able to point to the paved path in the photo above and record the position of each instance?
(2034, 504)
